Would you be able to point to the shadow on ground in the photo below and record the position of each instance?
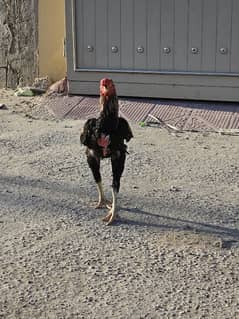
(61, 199)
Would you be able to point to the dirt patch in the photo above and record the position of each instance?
(173, 253)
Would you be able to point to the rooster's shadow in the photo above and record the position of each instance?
(229, 236)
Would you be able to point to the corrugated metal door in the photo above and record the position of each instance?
(158, 48)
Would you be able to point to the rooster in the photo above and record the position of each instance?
(104, 138)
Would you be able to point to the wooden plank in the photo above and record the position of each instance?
(153, 35)
(209, 35)
(195, 35)
(140, 34)
(167, 34)
(102, 53)
(224, 17)
(181, 35)
(127, 34)
(234, 67)
(114, 31)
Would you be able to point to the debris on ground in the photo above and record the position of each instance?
(232, 132)
(59, 87)
(42, 83)
(142, 124)
(29, 116)
(25, 91)
(172, 129)
(174, 189)
(3, 106)
(40, 86)
(29, 91)
(168, 127)
(37, 91)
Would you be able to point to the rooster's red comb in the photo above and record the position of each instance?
(106, 82)
(107, 87)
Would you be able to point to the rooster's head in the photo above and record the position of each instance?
(108, 96)
(107, 88)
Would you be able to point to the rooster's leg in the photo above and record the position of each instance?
(112, 214)
(102, 202)
(117, 162)
(94, 164)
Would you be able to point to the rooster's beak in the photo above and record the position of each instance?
(104, 90)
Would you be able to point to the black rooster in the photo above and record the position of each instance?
(104, 137)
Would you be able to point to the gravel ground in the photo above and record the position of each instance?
(174, 253)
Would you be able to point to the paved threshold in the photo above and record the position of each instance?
(184, 115)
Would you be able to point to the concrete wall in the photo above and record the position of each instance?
(18, 41)
(51, 36)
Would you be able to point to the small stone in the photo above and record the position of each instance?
(174, 189)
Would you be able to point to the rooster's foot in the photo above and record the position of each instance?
(110, 217)
(103, 203)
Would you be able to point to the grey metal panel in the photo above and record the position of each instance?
(167, 34)
(87, 33)
(224, 17)
(153, 35)
(140, 27)
(127, 32)
(162, 91)
(147, 76)
(163, 79)
(209, 36)
(235, 37)
(78, 27)
(195, 35)
(114, 30)
(69, 40)
(102, 27)
(181, 35)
